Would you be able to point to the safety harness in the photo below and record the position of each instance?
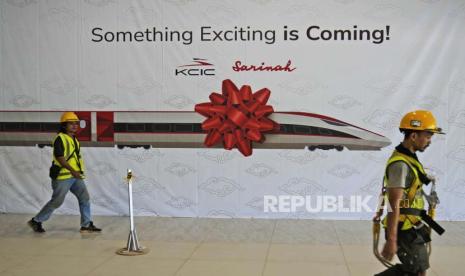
(410, 214)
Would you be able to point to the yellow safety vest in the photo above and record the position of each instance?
(71, 154)
(413, 197)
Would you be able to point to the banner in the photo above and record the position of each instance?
(363, 62)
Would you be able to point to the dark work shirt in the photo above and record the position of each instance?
(59, 148)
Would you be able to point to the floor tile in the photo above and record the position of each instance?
(8, 261)
(137, 265)
(221, 267)
(28, 246)
(305, 268)
(231, 251)
(169, 250)
(57, 265)
(304, 252)
(305, 231)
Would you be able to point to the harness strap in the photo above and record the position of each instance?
(424, 217)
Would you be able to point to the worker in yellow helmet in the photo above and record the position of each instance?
(406, 232)
(67, 174)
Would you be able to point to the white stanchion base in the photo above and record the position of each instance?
(125, 252)
(133, 248)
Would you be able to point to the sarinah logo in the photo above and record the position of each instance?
(198, 67)
(239, 66)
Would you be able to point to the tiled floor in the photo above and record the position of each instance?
(190, 246)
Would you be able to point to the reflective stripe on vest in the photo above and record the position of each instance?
(413, 197)
(70, 154)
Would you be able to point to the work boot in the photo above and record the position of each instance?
(36, 226)
(90, 229)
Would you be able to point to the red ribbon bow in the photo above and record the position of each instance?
(237, 117)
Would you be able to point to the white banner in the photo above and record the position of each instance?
(364, 62)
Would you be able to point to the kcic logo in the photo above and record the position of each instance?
(199, 67)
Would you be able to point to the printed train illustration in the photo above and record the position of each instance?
(175, 129)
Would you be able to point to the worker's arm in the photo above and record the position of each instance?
(394, 198)
(66, 165)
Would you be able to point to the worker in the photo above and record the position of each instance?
(405, 229)
(67, 174)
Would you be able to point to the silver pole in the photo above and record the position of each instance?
(131, 212)
(132, 246)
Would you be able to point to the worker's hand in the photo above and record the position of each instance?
(76, 174)
(389, 249)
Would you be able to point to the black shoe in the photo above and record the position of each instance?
(36, 226)
(90, 229)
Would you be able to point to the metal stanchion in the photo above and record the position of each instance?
(133, 248)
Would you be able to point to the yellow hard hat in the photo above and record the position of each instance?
(421, 120)
(69, 117)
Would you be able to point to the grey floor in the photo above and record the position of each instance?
(198, 246)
